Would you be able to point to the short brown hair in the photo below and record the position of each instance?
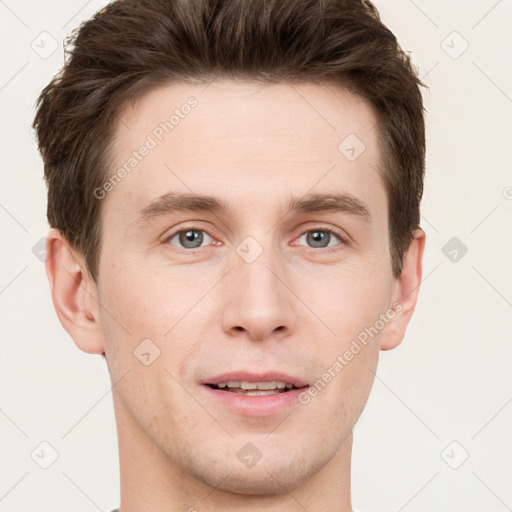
(131, 46)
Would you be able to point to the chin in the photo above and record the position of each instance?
(266, 477)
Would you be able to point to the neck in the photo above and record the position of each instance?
(152, 480)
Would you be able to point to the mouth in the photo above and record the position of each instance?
(254, 394)
(255, 388)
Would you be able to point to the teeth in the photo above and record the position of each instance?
(257, 385)
(264, 386)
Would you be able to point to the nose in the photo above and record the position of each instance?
(258, 301)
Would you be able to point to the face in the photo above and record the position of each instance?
(243, 286)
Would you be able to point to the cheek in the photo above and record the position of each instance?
(347, 297)
(140, 320)
(148, 316)
(146, 301)
(354, 304)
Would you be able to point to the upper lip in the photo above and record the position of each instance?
(246, 376)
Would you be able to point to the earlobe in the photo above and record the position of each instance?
(406, 292)
(74, 293)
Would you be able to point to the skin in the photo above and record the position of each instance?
(210, 311)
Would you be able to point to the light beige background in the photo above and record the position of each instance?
(444, 394)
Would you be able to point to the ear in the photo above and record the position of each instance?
(405, 293)
(74, 293)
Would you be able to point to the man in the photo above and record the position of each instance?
(233, 194)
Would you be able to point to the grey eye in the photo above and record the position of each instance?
(189, 238)
(319, 238)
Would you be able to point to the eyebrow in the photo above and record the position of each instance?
(173, 202)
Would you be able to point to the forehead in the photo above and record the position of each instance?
(246, 140)
(236, 110)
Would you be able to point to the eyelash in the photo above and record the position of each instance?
(324, 229)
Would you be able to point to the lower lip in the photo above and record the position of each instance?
(262, 405)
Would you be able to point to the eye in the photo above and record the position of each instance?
(189, 238)
(320, 238)
(193, 238)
